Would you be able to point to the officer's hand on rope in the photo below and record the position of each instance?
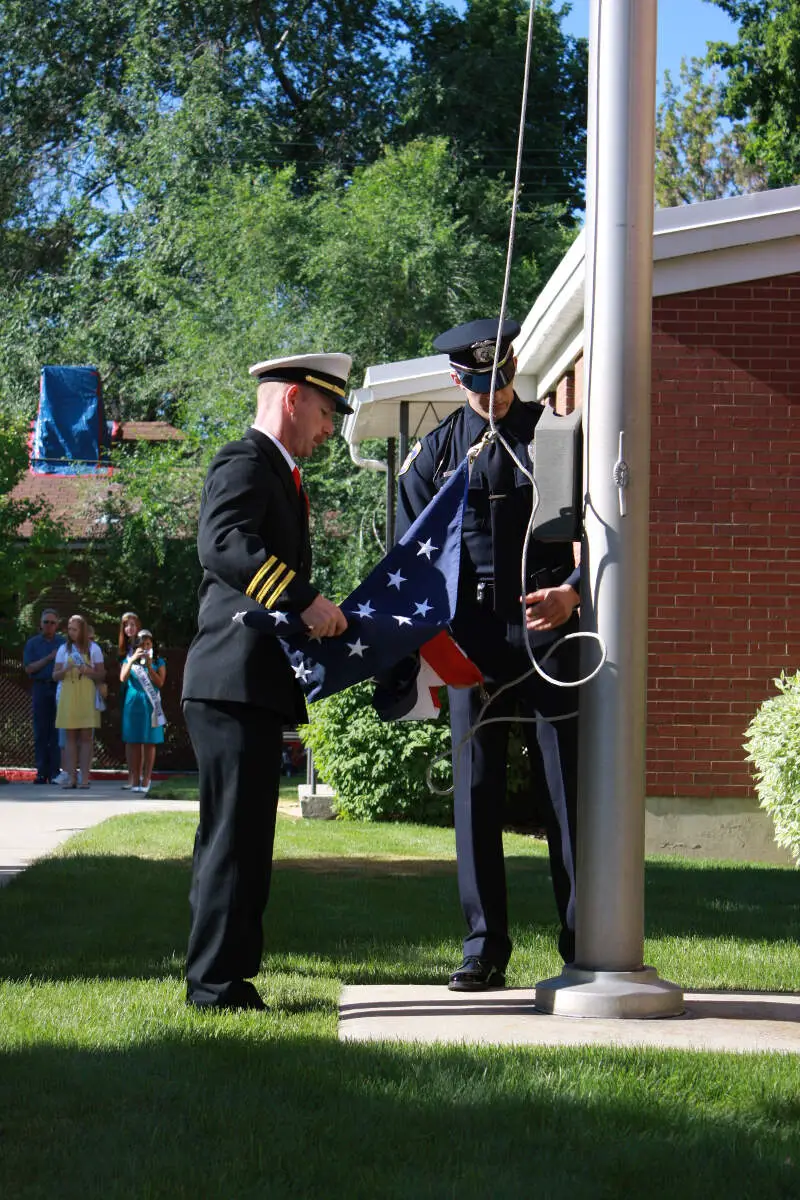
(548, 608)
(322, 618)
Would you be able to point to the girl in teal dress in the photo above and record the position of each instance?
(142, 715)
(130, 624)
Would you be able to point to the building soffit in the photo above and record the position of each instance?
(695, 246)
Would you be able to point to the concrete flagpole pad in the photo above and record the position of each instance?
(739, 1022)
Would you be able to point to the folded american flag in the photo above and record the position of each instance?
(403, 603)
(411, 692)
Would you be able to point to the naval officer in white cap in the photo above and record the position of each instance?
(239, 690)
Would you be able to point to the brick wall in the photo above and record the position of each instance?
(725, 527)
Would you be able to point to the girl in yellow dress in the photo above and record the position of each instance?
(79, 667)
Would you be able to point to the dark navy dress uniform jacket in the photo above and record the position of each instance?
(254, 548)
(487, 521)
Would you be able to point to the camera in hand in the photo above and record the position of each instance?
(139, 651)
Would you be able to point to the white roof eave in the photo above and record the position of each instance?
(695, 246)
(422, 384)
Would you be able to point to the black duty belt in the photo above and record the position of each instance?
(546, 577)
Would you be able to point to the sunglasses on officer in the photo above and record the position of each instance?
(481, 381)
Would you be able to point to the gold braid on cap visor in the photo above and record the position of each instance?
(323, 383)
(472, 376)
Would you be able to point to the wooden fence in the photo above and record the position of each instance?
(16, 723)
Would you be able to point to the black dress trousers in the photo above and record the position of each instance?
(480, 770)
(238, 749)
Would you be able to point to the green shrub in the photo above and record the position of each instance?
(376, 768)
(774, 748)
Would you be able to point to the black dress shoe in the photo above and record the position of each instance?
(41, 779)
(476, 975)
(238, 998)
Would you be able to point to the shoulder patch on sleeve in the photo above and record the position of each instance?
(412, 454)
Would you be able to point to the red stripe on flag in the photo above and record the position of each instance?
(450, 662)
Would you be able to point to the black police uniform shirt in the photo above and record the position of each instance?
(254, 547)
(495, 521)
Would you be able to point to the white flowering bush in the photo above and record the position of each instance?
(773, 746)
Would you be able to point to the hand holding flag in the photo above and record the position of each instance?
(404, 602)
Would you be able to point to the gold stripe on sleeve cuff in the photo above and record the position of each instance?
(259, 575)
(276, 595)
(271, 581)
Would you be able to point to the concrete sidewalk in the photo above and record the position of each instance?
(35, 820)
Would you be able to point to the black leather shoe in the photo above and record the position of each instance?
(41, 779)
(476, 975)
(239, 998)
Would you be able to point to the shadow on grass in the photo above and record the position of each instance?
(231, 1115)
(127, 917)
(743, 901)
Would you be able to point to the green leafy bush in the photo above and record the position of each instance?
(377, 769)
(774, 748)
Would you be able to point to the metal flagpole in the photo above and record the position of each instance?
(608, 978)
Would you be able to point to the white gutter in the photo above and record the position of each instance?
(369, 464)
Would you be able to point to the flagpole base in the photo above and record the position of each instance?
(620, 995)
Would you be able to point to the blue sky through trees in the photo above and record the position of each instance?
(684, 28)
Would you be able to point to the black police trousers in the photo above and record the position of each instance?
(238, 749)
(480, 775)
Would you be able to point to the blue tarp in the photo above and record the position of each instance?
(70, 436)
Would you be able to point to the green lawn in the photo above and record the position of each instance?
(184, 787)
(110, 1087)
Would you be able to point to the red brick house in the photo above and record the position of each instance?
(75, 500)
(725, 492)
(68, 501)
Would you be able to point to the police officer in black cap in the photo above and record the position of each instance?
(238, 688)
(491, 626)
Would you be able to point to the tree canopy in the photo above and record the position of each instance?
(699, 155)
(760, 85)
(127, 117)
(24, 565)
(732, 123)
(187, 189)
